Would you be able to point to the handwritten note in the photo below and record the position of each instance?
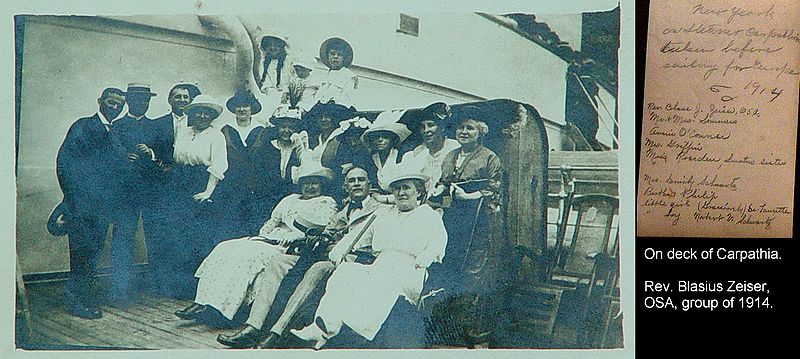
(720, 120)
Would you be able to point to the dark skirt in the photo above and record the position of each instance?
(463, 313)
(468, 232)
(190, 235)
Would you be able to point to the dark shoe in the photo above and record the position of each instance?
(269, 341)
(244, 338)
(82, 311)
(191, 312)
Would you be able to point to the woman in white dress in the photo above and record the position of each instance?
(338, 83)
(227, 274)
(409, 237)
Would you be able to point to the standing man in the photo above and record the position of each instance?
(159, 228)
(85, 170)
(180, 96)
(135, 139)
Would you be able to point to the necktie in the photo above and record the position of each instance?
(353, 206)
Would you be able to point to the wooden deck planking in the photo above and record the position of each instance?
(148, 323)
(58, 326)
(187, 334)
(171, 337)
(203, 333)
(145, 335)
(98, 332)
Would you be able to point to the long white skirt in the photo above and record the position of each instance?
(362, 296)
(227, 273)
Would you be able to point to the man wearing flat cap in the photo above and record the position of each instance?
(137, 141)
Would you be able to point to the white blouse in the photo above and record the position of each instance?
(429, 163)
(419, 233)
(206, 148)
(337, 85)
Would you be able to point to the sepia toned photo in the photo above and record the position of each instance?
(391, 180)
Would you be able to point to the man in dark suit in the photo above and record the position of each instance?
(180, 96)
(160, 230)
(85, 168)
(136, 139)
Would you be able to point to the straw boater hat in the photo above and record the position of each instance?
(194, 91)
(205, 101)
(244, 97)
(312, 169)
(137, 88)
(388, 121)
(338, 43)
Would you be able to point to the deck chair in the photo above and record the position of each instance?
(582, 260)
(580, 240)
(602, 300)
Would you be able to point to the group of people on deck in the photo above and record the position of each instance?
(317, 198)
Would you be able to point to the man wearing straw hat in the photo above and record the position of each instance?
(136, 141)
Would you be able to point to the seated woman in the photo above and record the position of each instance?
(408, 237)
(229, 275)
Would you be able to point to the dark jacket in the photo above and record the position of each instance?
(86, 167)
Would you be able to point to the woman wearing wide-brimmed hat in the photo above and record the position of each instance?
(242, 199)
(382, 139)
(200, 163)
(285, 148)
(473, 177)
(322, 124)
(338, 82)
(250, 269)
(409, 237)
(431, 126)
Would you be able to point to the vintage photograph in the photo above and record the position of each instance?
(318, 180)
